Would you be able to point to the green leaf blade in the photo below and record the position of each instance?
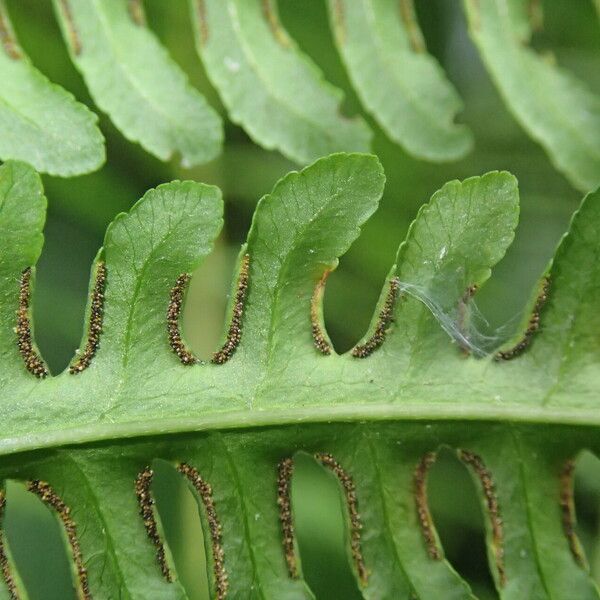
(268, 86)
(394, 551)
(40, 122)
(178, 222)
(439, 266)
(526, 470)
(417, 392)
(401, 86)
(22, 217)
(564, 352)
(557, 110)
(155, 106)
(310, 218)
(98, 488)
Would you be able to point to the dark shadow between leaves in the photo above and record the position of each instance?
(318, 507)
(457, 514)
(203, 318)
(587, 509)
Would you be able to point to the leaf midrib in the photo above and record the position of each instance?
(424, 412)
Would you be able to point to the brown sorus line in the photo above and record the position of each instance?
(173, 315)
(285, 470)
(532, 327)
(234, 334)
(386, 315)
(7, 38)
(318, 335)
(95, 322)
(272, 19)
(146, 503)
(567, 509)
(476, 20)
(136, 11)
(407, 14)
(339, 20)
(51, 499)
(33, 362)
(352, 503)
(204, 490)
(70, 23)
(423, 513)
(202, 21)
(493, 509)
(4, 563)
(535, 13)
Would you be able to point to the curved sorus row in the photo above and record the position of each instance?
(136, 12)
(318, 333)
(386, 317)
(176, 342)
(7, 39)
(33, 362)
(36, 366)
(532, 327)
(347, 482)
(74, 38)
(493, 509)
(567, 507)
(384, 321)
(9, 580)
(49, 497)
(95, 322)
(422, 506)
(145, 500)
(234, 333)
(204, 491)
(285, 470)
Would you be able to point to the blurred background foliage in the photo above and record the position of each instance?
(81, 208)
